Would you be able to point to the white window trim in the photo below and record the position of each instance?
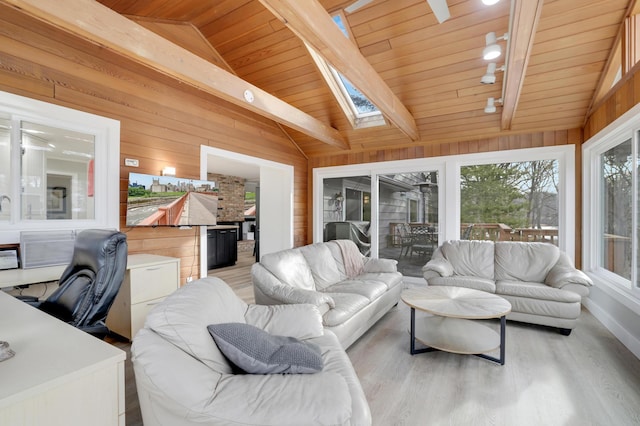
(624, 128)
(448, 168)
(107, 168)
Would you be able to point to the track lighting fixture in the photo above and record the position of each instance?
(492, 49)
(490, 76)
(490, 108)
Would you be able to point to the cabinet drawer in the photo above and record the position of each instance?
(152, 282)
(139, 313)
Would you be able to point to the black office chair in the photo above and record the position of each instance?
(89, 285)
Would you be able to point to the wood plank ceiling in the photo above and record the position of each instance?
(433, 69)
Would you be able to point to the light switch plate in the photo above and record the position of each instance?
(131, 162)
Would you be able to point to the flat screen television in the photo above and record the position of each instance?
(170, 201)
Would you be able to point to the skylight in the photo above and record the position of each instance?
(360, 111)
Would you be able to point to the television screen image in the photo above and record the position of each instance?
(170, 201)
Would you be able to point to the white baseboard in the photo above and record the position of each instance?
(629, 340)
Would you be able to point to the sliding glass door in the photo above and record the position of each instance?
(347, 210)
(408, 219)
(404, 210)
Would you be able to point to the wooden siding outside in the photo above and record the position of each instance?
(161, 123)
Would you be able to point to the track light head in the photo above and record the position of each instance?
(492, 49)
(490, 76)
(490, 108)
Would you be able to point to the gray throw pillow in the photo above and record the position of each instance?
(255, 351)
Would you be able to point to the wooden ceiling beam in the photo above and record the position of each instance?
(524, 21)
(98, 24)
(312, 24)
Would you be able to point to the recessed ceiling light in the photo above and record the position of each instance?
(490, 2)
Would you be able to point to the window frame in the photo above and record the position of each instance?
(333, 78)
(622, 129)
(107, 157)
(448, 168)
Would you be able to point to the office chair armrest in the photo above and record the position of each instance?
(31, 300)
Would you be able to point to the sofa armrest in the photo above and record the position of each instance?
(380, 265)
(439, 265)
(302, 321)
(284, 293)
(563, 273)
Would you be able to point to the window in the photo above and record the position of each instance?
(54, 168)
(360, 111)
(56, 173)
(358, 205)
(611, 198)
(616, 171)
(437, 195)
(511, 201)
(413, 211)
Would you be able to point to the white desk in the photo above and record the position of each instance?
(59, 375)
(13, 277)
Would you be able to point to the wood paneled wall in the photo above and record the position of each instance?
(624, 96)
(162, 123)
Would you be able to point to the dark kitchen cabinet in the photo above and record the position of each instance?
(222, 247)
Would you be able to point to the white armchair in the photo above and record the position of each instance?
(182, 377)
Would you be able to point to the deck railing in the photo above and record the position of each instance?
(502, 232)
(167, 215)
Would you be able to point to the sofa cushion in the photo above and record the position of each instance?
(322, 264)
(257, 352)
(182, 319)
(352, 258)
(336, 253)
(290, 267)
(516, 261)
(347, 305)
(477, 283)
(543, 308)
(380, 265)
(389, 279)
(534, 290)
(368, 288)
(471, 258)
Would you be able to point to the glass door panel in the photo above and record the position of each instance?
(408, 219)
(347, 210)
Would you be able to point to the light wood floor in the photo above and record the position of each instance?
(587, 378)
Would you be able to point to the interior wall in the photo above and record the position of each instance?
(162, 123)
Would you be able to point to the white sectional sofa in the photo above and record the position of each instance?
(183, 378)
(351, 291)
(538, 279)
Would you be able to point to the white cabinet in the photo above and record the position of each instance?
(59, 375)
(148, 280)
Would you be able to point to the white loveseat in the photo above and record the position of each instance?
(538, 279)
(183, 378)
(351, 291)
